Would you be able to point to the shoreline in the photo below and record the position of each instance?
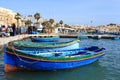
(5, 40)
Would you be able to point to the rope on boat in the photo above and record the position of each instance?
(24, 60)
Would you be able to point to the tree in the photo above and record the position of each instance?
(17, 17)
(47, 25)
(51, 21)
(57, 25)
(61, 22)
(44, 23)
(67, 26)
(37, 16)
(28, 22)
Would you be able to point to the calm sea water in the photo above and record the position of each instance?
(106, 68)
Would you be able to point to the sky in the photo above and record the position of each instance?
(76, 12)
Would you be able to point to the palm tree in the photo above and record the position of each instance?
(46, 25)
(37, 16)
(17, 17)
(51, 26)
(28, 22)
(61, 22)
(51, 21)
(57, 25)
(67, 26)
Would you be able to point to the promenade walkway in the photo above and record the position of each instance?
(5, 40)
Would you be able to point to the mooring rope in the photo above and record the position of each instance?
(22, 59)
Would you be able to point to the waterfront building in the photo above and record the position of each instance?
(7, 17)
(109, 28)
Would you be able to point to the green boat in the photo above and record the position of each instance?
(45, 46)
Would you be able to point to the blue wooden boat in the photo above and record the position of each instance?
(116, 38)
(45, 38)
(82, 35)
(97, 37)
(34, 32)
(15, 59)
(46, 46)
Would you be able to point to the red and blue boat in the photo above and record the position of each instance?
(15, 59)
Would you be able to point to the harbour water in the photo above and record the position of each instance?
(106, 68)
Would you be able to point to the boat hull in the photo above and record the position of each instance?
(45, 39)
(20, 63)
(97, 37)
(72, 46)
(116, 38)
(46, 45)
